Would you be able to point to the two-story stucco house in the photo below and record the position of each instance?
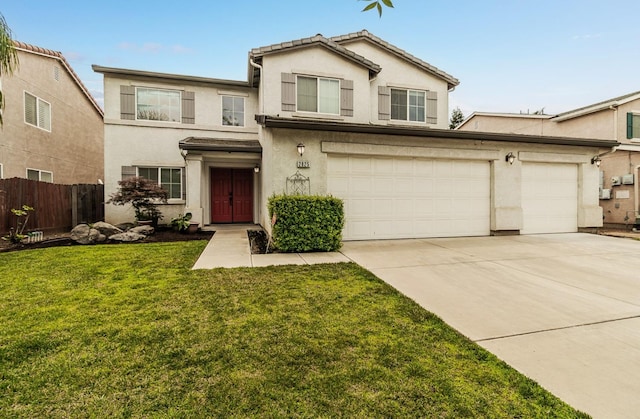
(616, 119)
(352, 116)
(53, 128)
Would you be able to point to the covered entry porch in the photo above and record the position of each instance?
(222, 179)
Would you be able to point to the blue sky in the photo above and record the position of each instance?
(509, 56)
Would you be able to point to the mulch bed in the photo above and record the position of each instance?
(160, 235)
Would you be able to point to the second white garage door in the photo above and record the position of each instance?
(390, 198)
(549, 198)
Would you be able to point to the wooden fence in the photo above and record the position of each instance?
(57, 208)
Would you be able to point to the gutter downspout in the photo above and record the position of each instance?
(371, 101)
(260, 92)
(636, 192)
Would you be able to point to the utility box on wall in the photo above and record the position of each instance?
(627, 179)
(616, 181)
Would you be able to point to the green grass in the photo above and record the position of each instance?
(131, 331)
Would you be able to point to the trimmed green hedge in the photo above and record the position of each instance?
(306, 223)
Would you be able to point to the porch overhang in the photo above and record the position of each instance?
(203, 144)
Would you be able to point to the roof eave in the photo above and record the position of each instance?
(289, 123)
(166, 76)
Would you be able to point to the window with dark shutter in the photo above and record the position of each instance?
(128, 102)
(633, 125)
(346, 98)
(432, 107)
(188, 107)
(288, 92)
(384, 103)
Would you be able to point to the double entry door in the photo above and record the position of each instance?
(231, 195)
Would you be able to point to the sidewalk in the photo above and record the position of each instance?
(229, 248)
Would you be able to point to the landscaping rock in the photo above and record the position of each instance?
(83, 234)
(128, 237)
(106, 228)
(144, 230)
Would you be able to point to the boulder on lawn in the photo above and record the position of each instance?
(128, 237)
(144, 230)
(106, 228)
(84, 234)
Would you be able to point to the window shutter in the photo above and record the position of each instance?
(629, 125)
(384, 103)
(128, 102)
(188, 107)
(346, 98)
(432, 107)
(288, 92)
(30, 107)
(183, 187)
(128, 172)
(44, 115)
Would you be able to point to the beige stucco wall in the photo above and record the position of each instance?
(73, 150)
(319, 61)
(397, 72)
(155, 144)
(314, 61)
(506, 204)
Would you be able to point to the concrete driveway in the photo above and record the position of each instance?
(563, 309)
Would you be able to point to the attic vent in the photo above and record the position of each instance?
(56, 73)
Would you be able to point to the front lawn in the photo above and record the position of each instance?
(130, 330)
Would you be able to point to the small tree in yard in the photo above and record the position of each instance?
(144, 195)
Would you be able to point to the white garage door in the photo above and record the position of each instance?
(549, 198)
(390, 198)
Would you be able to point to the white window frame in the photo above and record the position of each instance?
(179, 92)
(159, 178)
(233, 111)
(37, 111)
(40, 172)
(318, 95)
(1, 171)
(408, 104)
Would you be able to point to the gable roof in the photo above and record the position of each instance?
(596, 107)
(366, 35)
(56, 55)
(256, 54)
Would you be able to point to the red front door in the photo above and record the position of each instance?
(231, 195)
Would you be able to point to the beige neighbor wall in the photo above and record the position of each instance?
(397, 72)
(156, 144)
(506, 189)
(73, 150)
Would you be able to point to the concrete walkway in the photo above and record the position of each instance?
(229, 248)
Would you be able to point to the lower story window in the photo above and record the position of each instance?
(40, 175)
(168, 178)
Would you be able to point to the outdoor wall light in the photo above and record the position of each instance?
(596, 160)
(300, 149)
(510, 158)
(256, 169)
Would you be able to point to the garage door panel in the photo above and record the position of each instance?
(412, 197)
(549, 198)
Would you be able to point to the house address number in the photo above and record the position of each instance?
(303, 164)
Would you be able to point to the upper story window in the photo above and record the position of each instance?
(41, 175)
(37, 112)
(633, 125)
(233, 111)
(168, 178)
(408, 105)
(158, 104)
(316, 94)
(151, 104)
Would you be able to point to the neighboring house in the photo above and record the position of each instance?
(351, 116)
(53, 128)
(615, 119)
